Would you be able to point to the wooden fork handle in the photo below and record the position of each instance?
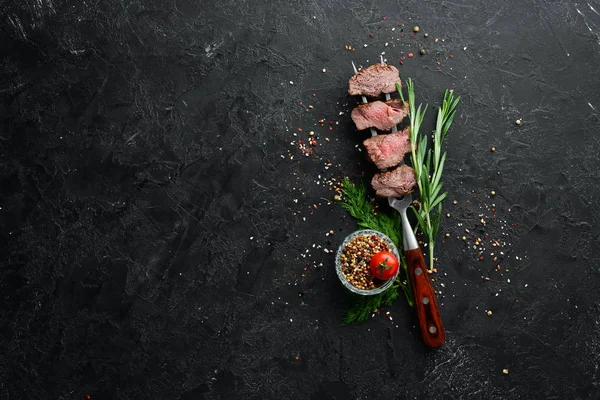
(428, 313)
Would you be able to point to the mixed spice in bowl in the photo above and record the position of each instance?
(367, 262)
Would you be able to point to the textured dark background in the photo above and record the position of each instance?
(158, 237)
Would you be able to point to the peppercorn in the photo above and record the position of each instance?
(355, 257)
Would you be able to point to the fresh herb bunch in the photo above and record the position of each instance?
(429, 165)
(364, 305)
(358, 205)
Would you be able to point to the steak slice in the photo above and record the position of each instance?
(374, 80)
(387, 151)
(394, 183)
(380, 115)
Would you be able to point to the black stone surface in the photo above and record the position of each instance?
(158, 241)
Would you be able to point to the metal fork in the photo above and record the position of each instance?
(388, 97)
(428, 313)
(365, 101)
(408, 237)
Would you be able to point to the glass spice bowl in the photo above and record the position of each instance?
(338, 262)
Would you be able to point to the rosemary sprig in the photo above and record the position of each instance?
(358, 205)
(429, 165)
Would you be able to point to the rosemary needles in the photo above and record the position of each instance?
(429, 164)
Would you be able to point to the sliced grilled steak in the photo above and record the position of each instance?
(380, 115)
(387, 151)
(394, 183)
(374, 80)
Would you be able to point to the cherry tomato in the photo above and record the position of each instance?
(383, 265)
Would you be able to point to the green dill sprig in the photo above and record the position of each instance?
(429, 164)
(364, 306)
(358, 206)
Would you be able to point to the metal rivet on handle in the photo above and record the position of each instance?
(418, 271)
(425, 300)
(432, 329)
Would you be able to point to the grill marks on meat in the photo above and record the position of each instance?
(394, 183)
(380, 115)
(387, 151)
(374, 80)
